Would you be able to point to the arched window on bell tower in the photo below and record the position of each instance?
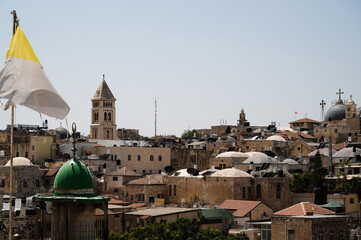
(109, 116)
(105, 116)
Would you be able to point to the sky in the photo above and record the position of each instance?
(202, 60)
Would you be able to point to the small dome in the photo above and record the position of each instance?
(290, 161)
(19, 161)
(347, 153)
(63, 133)
(276, 138)
(336, 112)
(259, 159)
(230, 172)
(74, 178)
(323, 151)
(233, 154)
(227, 139)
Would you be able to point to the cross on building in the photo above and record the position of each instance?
(339, 94)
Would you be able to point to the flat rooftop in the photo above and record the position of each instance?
(159, 211)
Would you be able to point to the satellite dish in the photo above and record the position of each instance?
(249, 130)
(169, 169)
(191, 170)
(49, 207)
(46, 164)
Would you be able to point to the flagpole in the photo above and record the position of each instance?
(15, 25)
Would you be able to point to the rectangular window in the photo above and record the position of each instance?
(118, 162)
(115, 178)
(291, 235)
(32, 148)
(356, 171)
(129, 157)
(352, 201)
(2, 183)
(115, 190)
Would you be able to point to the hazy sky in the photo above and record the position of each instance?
(202, 60)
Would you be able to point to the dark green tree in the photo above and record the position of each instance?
(189, 134)
(182, 229)
(319, 173)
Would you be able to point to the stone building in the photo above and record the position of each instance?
(244, 211)
(27, 178)
(146, 189)
(115, 180)
(304, 124)
(306, 220)
(103, 122)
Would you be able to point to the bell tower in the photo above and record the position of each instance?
(103, 113)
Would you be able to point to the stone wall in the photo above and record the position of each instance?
(186, 158)
(27, 227)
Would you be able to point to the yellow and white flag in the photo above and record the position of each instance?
(24, 82)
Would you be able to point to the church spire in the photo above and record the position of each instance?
(103, 92)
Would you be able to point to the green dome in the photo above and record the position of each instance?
(73, 178)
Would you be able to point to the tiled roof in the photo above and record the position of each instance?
(148, 180)
(117, 202)
(103, 92)
(51, 172)
(124, 172)
(241, 207)
(305, 120)
(137, 205)
(303, 208)
(99, 212)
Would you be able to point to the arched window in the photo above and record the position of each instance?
(138, 157)
(278, 190)
(258, 191)
(151, 158)
(170, 190)
(160, 158)
(175, 190)
(249, 192)
(108, 135)
(109, 116)
(105, 116)
(95, 116)
(243, 192)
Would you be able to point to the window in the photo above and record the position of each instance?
(160, 158)
(356, 171)
(115, 179)
(258, 191)
(278, 190)
(163, 221)
(151, 158)
(116, 215)
(25, 183)
(138, 157)
(170, 190)
(143, 171)
(115, 157)
(335, 130)
(105, 116)
(32, 157)
(175, 190)
(243, 192)
(129, 157)
(104, 165)
(291, 235)
(109, 116)
(2, 183)
(37, 182)
(352, 201)
(115, 190)
(32, 148)
(17, 154)
(26, 154)
(159, 171)
(249, 192)
(118, 162)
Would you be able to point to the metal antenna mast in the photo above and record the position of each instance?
(155, 117)
(322, 104)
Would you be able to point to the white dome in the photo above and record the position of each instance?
(93, 156)
(347, 153)
(233, 154)
(259, 159)
(290, 161)
(255, 153)
(230, 172)
(276, 138)
(183, 173)
(323, 151)
(20, 161)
